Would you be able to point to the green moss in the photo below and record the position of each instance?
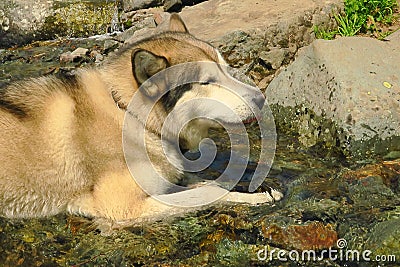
(310, 129)
(384, 239)
(79, 20)
(232, 253)
(315, 131)
(375, 146)
(326, 34)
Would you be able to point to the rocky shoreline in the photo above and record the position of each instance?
(261, 44)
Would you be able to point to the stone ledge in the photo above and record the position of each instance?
(354, 83)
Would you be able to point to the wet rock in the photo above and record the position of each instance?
(110, 45)
(314, 235)
(314, 185)
(43, 58)
(74, 55)
(79, 52)
(351, 83)
(148, 24)
(388, 172)
(383, 240)
(232, 253)
(291, 166)
(370, 191)
(97, 56)
(274, 57)
(392, 155)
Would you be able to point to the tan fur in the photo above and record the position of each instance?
(61, 142)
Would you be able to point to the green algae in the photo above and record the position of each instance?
(232, 253)
(327, 136)
(42, 58)
(79, 20)
(219, 235)
(54, 19)
(384, 239)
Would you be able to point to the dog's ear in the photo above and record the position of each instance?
(144, 65)
(176, 24)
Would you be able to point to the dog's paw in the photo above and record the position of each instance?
(276, 195)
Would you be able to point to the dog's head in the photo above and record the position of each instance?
(214, 102)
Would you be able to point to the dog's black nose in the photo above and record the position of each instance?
(259, 101)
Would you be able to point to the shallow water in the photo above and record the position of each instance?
(327, 198)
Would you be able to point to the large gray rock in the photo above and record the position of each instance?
(177, 5)
(343, 93)
(131, 5)
(169, 5)
(247, 32)
(22, 21)
(213, 19)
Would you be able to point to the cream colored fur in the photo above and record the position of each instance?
(61, 141)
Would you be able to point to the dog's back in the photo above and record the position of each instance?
(47, 150)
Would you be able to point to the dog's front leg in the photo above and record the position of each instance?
(114, 196)
(253, 198)
(175, 203)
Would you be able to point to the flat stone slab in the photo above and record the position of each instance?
(352, 82)
(215, 18)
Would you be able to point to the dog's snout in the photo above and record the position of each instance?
(259, 101)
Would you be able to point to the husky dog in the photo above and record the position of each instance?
(61, 139)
